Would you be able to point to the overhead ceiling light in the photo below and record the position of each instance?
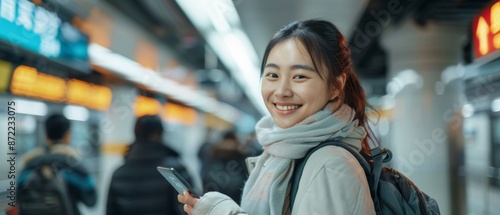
(196, 14)
(224, 35)
(495, 105)
(452, 73)
(218, 20)
(388, 102)
(403, 79)
(468, 110)
(31, 107)
(134, 72)
(77, 113)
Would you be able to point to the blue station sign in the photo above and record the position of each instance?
(36, 29)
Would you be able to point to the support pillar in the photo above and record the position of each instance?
(424, 104)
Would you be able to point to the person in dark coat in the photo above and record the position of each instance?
(137, 187)
(224, 167)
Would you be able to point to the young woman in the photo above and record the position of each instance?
(312, 94)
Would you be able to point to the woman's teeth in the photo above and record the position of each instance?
(285, 108)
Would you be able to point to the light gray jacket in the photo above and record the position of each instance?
(333, 182)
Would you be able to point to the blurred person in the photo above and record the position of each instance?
(57, 152)
(252, 146)
(313, 95)
(224, 166)
(137, 187)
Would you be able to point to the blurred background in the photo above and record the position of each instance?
(431, 69)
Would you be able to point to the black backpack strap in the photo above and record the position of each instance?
(300, 164)
(59, 161)
(377, 157)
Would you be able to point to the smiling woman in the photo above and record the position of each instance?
(291, 88)
(313, 95)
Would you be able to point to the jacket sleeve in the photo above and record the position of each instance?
(337, 187)
(82, 187)
(215, 203)
(110, 202)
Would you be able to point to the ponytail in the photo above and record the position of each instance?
(355, 97)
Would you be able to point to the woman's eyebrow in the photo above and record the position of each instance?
(293, 67)
(304, 67)
(272, 65)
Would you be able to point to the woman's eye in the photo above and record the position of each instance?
(299, 77)
(271, 75)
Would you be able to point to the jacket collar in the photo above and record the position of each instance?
(149, 150)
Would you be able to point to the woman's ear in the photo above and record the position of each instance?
(341, 79)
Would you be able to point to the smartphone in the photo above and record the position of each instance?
(176, 180)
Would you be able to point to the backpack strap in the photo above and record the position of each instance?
(59, 161)
(46, 149)
(301, 163)
(377, 157)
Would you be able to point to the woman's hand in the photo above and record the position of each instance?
(188, 201)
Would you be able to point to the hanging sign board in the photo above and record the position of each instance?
(31, 27)
(486, 31)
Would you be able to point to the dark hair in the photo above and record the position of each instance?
(230, 135)
(148, 125)
(56, 126)
(331, 57)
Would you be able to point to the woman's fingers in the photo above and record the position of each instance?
(180, 198)
(188, 210)
(188, 201)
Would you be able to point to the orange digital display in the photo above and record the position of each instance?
(146, 106)
(101, 97)
(77, 92)
(486, 31)
(88, 95)
(27, 81)
(170, 112)
(179, 114)
(23, 80)
(49, 87)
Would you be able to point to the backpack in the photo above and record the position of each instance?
(391, 191)
(44, 191)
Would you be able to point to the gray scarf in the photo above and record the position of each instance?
(265, 190)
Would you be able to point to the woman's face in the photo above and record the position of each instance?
(291, 87)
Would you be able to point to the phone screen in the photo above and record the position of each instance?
(176, 180)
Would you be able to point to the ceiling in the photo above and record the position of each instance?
(370, 61)
(260, 19)
(165, 20)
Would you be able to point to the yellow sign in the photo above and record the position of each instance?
(146, 106)
(101, 97)
(170, 112)
(179, 114)
(77, 92)
(88, 95)
(50, 88)
(5, 71)
(27, 81)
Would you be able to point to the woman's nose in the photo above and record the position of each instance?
(283, 89)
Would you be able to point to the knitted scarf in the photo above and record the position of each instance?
(265, 190)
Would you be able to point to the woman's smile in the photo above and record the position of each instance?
(287, 107)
